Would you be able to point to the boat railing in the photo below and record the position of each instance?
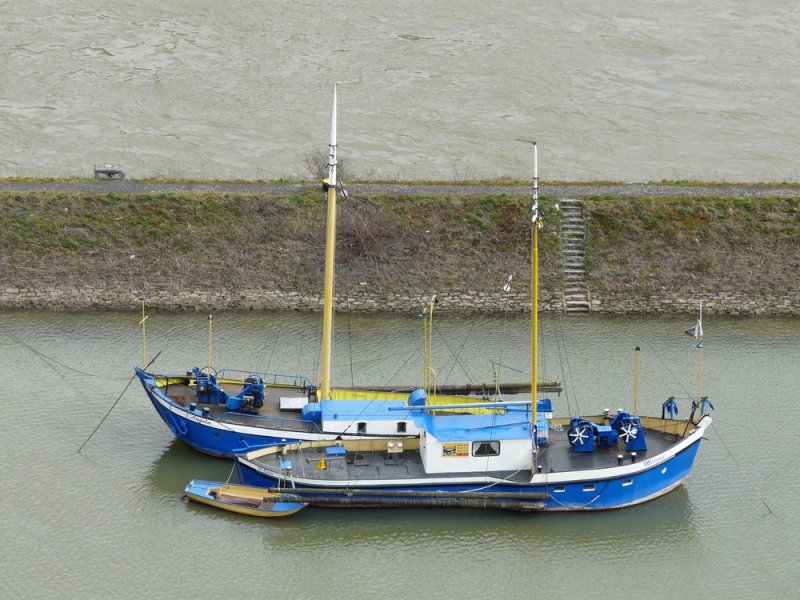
(268, 421)
(286, 379)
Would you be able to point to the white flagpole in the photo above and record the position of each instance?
(699, 337)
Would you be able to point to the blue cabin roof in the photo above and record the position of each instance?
(364, 410)
(511, 426)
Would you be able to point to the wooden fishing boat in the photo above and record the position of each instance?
(243, 499)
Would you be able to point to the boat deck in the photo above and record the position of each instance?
(270, 415)
(557, 456)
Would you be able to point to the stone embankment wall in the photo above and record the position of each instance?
(648, 249)
(719, 304)
(95, 298)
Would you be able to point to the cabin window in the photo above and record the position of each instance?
(559, 489)
(588, 488)
(486, 448)
(362, 427)
(401, 427)
(627, 483)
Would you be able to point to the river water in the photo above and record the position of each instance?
(110, 522)
(207, 89)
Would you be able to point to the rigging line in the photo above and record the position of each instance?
(455, 357)
(510, 368)
(737, 425)
(564, 361)
(461, 348)
(275, 343)
(376, 358)
(317, 338)
(499, 362)
(408, 358)
(116, 401)
(741, 470)
(300, 347)
(350, 343)
(363, 363)
(563, 337)
(557, 341)
(542, 355)
(666, 367)
(47, 359)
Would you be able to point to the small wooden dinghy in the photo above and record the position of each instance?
(242, 499)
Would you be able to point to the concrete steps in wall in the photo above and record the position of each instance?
(573, 250)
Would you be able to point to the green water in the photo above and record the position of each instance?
(110, 522)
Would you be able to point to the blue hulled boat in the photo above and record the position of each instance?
(510, 455)
(483, 461)
(227, 413)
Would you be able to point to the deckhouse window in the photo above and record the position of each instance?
(401, 427)
(362, 427)
(485, 448)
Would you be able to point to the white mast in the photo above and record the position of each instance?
(699, 346)
(536, 224)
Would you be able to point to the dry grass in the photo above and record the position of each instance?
(685, 245)
(203, 241)
(402, 244)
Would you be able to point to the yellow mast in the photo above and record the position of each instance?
(537, 223)
(208, 364)
(330, 245)
(427, 349)
(636, 380)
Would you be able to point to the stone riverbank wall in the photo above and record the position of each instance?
(469, 301)
(737, 249)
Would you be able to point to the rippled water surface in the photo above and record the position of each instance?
(109, 522)
(206, 89)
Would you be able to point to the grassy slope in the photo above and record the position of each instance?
(202, 241)
(680, 245)
(398, 244)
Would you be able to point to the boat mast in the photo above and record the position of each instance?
(536, 224)
(208, 364)
(428, 374)
(330, 244)
(636, 380)
(699, 346)
(144, 336)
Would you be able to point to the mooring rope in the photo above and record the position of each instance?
(48, 359)
(742, 470)
(117, 400)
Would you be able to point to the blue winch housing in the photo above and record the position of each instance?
(630, 431)
(249, 400)
(585, 435)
